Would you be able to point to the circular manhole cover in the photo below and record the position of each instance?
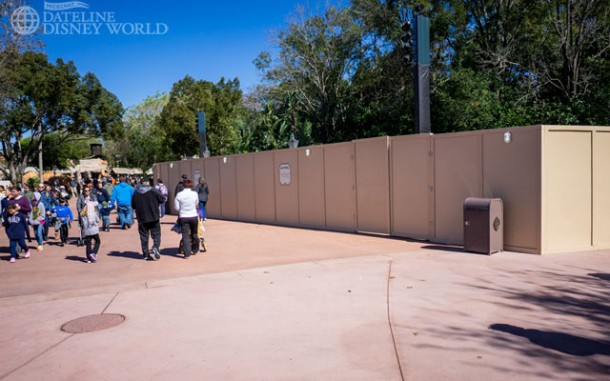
(93, 323)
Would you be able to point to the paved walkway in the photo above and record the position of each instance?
(275, 303)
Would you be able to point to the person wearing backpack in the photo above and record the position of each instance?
(163, 190)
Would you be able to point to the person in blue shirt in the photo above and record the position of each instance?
(64, 217)
(121, 196)
(16, 229)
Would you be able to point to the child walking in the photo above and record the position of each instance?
(89, 218)
(16, 229)
(63, 219)
(37, 218)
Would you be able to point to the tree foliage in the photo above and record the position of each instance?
(222, 104)
(46, 98)
(141, 144)
(494, 64)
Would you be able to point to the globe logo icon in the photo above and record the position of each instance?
(25, 20)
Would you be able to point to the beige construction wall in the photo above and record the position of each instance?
(312, 202)
(576, 185)
(601, 188)
(412, 186)
(372, 185)
(554, 182)
(340, 183)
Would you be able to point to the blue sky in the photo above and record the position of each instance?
(205, 39)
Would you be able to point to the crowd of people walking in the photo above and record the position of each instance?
(30, 214)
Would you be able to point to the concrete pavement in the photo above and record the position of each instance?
(276, 303)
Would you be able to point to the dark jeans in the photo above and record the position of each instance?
(13, 246)
(45, 228)
(63, 233)
(189, 235)
(96, 247)
(204, 212)
(152, 229)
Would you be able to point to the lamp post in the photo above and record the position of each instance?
(293, 142)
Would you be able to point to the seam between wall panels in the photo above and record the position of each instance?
(355, 216)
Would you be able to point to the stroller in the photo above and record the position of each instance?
(200, 230)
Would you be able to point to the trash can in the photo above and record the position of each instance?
(483, 225)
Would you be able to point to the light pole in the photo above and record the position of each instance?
(293, 142)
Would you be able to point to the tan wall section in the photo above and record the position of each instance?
(212, 176)
(286, 195)
(228, 187)
(567, 190)
(311, 187)
(246, 209)
(458, 173)
(264, 183)
(174, 179)
(198, 167)
(412, 186)
(340, 187)
(372, 185)
(601, 188)
(554, 182)
(511, 171)
(186, 168)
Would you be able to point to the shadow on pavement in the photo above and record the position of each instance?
(172, 252)
(557, 341)
(447, 248)
(126, 254)
(76, 258)
(601, 276)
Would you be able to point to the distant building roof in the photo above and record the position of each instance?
(127, 171)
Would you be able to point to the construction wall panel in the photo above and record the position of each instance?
(286, 187)
(340, 187)
(198, 168)
(174, 179)
(411, 165)
(601, 188)
(228, 187)
(311, 187)
(458, 173)
(567, 190)
(372, 185)
(511, 171)
(264, 187)
(212, 176)
(245, 187)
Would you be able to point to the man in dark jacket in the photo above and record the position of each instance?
(145, 201)
(180, 185)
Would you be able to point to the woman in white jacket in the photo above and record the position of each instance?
(186, 203)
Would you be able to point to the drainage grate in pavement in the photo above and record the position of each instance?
(93, 323)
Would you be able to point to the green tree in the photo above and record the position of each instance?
(46, 98)
(141, 145)
(60, 153)
(317, 59)
(222, 104)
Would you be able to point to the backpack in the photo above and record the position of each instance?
(163, 189)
